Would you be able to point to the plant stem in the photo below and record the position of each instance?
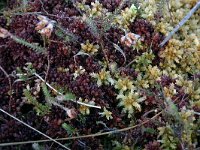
(10, 85)
(180, 24)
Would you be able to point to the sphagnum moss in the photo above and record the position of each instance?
(86, 62)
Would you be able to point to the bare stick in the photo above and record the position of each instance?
(85, 136)
(34, 129)
(181, 23)
(197, 113)
(6, 74)
(48, 67)
(10, 84)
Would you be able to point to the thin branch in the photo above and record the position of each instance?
(81, 103)
(10, 84)
(148, 112)
(50, 139)
(130, 63)
(197, 113)
(48, 67)
(43, 6)
(6, 74)
(62, 107)
(85, 136)
(180, 24)
(48, 61)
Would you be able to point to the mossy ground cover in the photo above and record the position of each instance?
(95, 72)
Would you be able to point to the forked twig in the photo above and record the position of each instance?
(180, 24)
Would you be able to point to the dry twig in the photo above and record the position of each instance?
(181, 23)
(10, 84)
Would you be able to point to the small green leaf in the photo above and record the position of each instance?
(149, 130)
(91, 25)
(70, 130)
(69, 96)
(65, 34)
(40, 108)
(172, 109)
(46, 91)
(33, 46)
(36, 146)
